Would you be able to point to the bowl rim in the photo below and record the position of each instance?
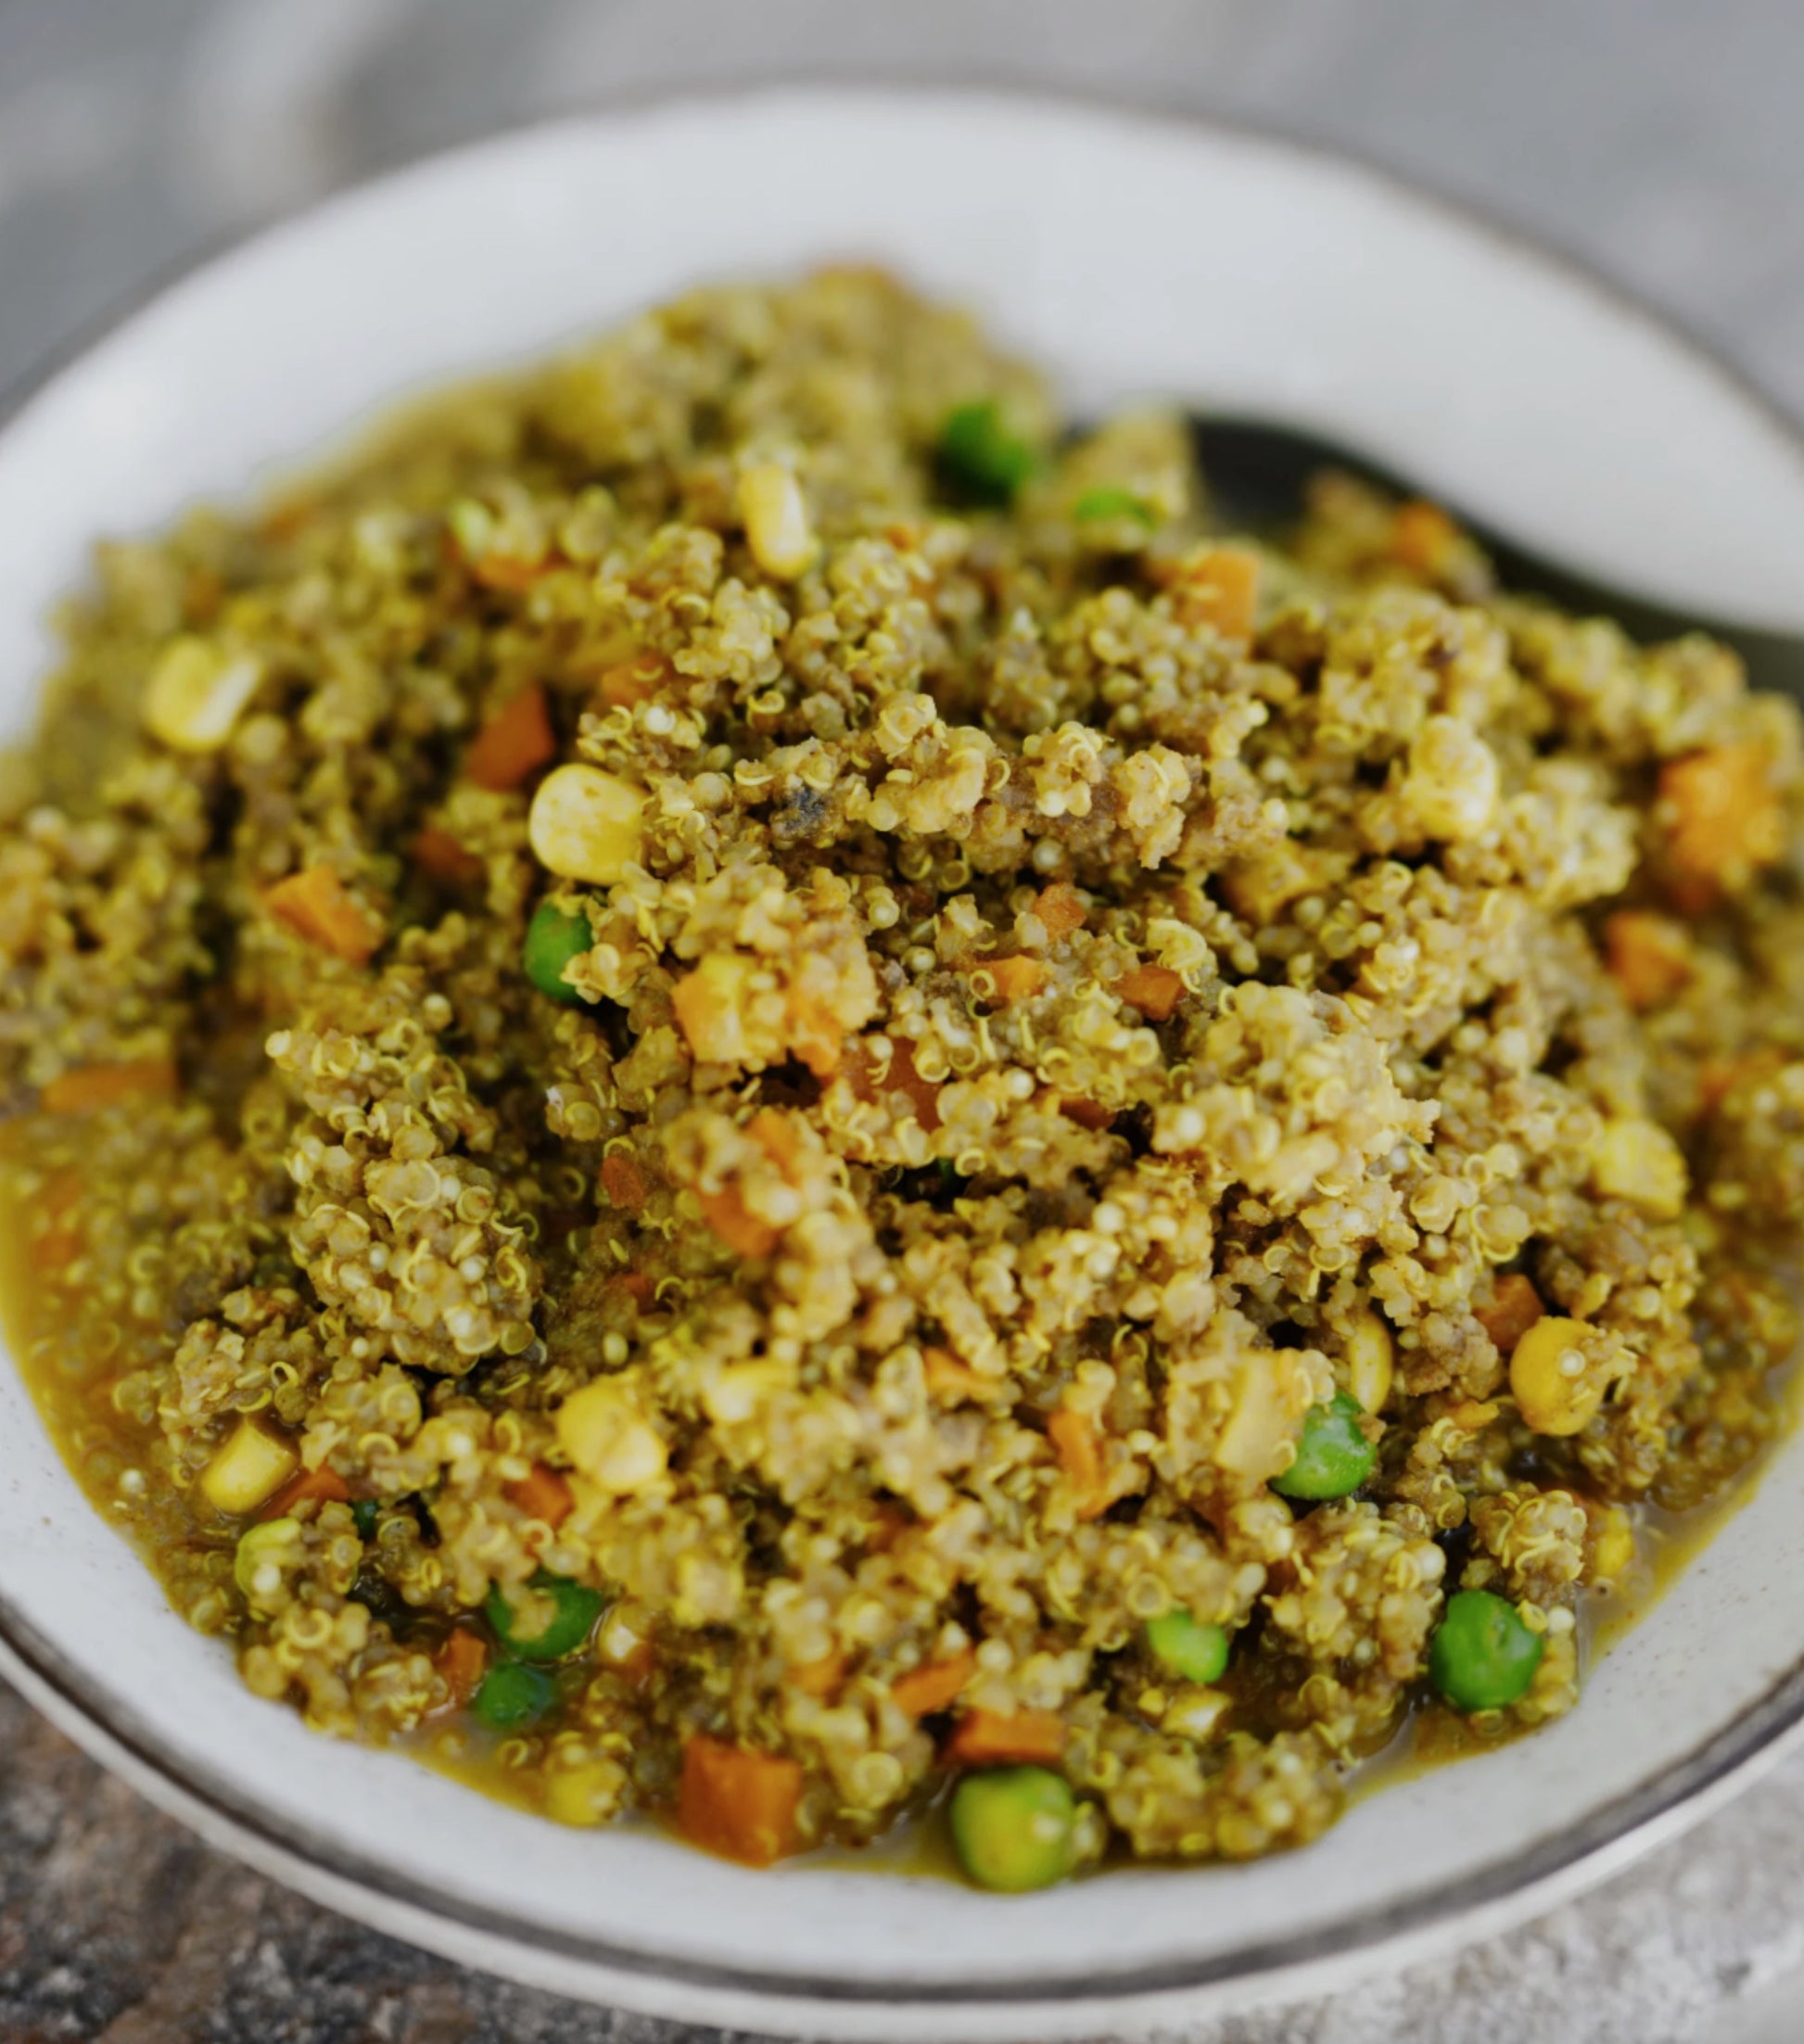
(1504, 1891)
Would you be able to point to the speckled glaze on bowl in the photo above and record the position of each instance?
(1136, 257)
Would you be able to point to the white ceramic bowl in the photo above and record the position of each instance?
(1135, 256)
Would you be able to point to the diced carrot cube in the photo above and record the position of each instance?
(89, 1086)
(440, 855)
(1421, 536)
(1514, 1309)
(316, 905)
(515, 742)
(635, 680)
(1155, 990)
(1723, 814)
(460, 1662)
(823, 1678)
(623, 1181)
(1060, 909)
(726, 1215)
(323, 1483)
(937, 1686)
(1220, 587)
(987, 1736)
(1018, 978)
(1090, 1115)
(1648, 955)
(775, 1134)
(1079, 1451)
(739, 1803)
(542, 1493)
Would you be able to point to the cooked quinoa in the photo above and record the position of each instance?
(717, 1127)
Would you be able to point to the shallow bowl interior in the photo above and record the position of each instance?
(1137, 259)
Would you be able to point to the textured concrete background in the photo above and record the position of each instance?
(1659, 138)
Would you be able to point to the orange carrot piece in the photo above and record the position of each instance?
(937, 1686)
(1220, 587)
(1061, 908)
(542, 1493)
(1720, 1075)
(317, 906)
(823, 1678)
(815, 1036)
(1723, 815)
(1090, 1115)
(727, 1213)
(901, 1077)
(1514, 1309)
(59, 1241)
(989, 1735)
(623, 1181)
(323, 1483)
(515, 742)
(1079, 1451)
(635, 680)
(951, 1380)
(94, 1085)
(509, 572)
(1646, 955)
(1421, 536)
(1018, 978)
(634, 1285)
(440, 855)
(1155, 990)
(461, 1661)
(739, 1803)
(775, 1134)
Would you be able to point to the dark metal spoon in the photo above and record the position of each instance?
(1257, 474)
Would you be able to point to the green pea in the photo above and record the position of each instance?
(1112, 504)
(1189, 1648)
(546, 1626)
(555, 937)
(1483, 1656)
(511, 1695)
(1015, 1828)
(364, 1514)
(980, 456)
(1334, 1455)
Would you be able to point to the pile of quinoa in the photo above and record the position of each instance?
(1055, 995)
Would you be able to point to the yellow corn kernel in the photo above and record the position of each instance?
(1371, 1356)
(586, 824)
(776, 520)
(250, 1470)
(197, 693)
(1547, 1376)
(1195, 1713)
(586, 1794)
(256, 1565)
(1613, 1551)
(1452, 783)
(1637, 1161)
(607, 1437)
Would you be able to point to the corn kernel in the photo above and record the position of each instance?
(256, 1565)
(250, 1470)
(586, 824)
(1452, 781)
(1371, 1355)
(604, 1432)
(587, 1794)
(197, 693)
(1614, 1549)
(1637, 1161)
(776, 520)
(1547, 1376)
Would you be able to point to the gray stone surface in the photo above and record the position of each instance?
(1659, 138)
